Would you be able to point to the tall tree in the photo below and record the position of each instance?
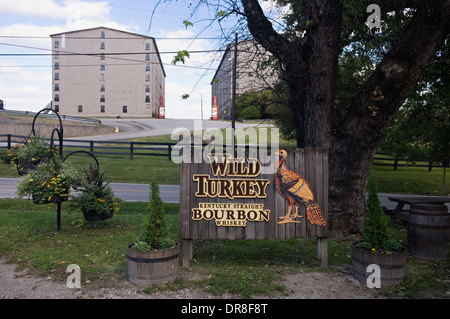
(314, 35)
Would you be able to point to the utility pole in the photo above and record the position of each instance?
(233, 91)
(201, 98)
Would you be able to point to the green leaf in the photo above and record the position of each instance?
(185, 96)
(222, 13)
(180, 56)
(187, 24)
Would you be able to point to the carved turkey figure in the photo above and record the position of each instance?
(297, 191)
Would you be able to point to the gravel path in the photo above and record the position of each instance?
(316, 285)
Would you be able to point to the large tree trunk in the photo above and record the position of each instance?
(355, 141)
(309, 68)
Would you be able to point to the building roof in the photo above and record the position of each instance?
(125, 32)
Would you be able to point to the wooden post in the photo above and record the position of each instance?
(322, 251)
(188, 248)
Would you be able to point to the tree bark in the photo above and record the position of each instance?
(309, 68)
(355, 141)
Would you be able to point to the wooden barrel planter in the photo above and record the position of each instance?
(428, 231)
(392, 266)
(155, 267)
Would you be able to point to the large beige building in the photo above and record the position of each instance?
(254, 71)
(105, 72)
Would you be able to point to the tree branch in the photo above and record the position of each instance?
(262, 31)
(394, 78)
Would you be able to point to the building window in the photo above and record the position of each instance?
(147, 78)
(56, 97)
(147, 46)
(102, 45)
(56, 54)
(56, 106)
(102, 88)
(56, 76)
(56, 87)
(124, 109)
(147, 57)
(102, 109)
(80, 108)
(147, 67)
(102, 34)
(102, 67)
(102, 77)
(147, 88)
(102, 98)
(56, 65)
(56, 44)
(147, 99)
(102, 56)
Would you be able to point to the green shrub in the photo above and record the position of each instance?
(155, 229)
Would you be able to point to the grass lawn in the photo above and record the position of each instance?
(29, 238)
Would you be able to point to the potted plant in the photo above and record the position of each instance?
(49, 183)
(376, 248)
(96, 198)
(153, 258)
(27, 155)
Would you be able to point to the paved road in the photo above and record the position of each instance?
(131, 128)
(140, 192)
(125, 191)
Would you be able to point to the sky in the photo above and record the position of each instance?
(25, 26)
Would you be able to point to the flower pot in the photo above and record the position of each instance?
(93, 216)
(392, 265)
(155, 267)
(54, 199)
(26, 166)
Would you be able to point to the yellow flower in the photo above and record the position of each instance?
(373, 249)
(53, 178)
(43, 183)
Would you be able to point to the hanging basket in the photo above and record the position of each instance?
(52, 200)
(26, 166)
(93, 216)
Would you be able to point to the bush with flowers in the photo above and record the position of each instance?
(50, 182)
(28, 154)
(96, 199)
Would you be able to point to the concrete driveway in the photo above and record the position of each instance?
(131, 128)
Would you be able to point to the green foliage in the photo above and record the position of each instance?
(375, 222)
(249, 113)
(187, 24)
(155, 229)
(33, 149)
(180, 57)
(376, 229)
(96, 195)
(51, 182)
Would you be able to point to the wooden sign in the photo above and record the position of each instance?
(235, 198)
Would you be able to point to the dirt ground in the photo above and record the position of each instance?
(317, 285)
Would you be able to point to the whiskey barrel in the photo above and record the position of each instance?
(155, 267)
(428, 231)
(392, 266)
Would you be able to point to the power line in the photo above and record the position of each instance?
(97, 38)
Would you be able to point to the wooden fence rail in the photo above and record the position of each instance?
(132, 149)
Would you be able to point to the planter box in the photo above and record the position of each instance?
(155, 267)
(392, 266)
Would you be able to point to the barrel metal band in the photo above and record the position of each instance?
(150, 261)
